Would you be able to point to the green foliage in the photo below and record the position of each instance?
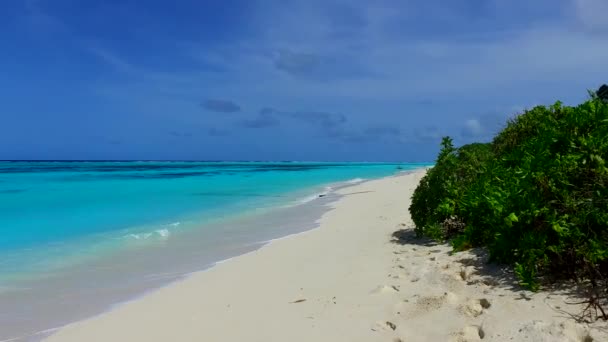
(602, 93)
(437, 198)
(537, 196)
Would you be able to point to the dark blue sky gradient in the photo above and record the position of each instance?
(284, 80)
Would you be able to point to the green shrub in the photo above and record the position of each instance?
(435, 203)
(602, 93)
(537, 196)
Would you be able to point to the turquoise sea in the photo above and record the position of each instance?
(63, 225)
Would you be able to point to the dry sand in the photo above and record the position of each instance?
(351, 279)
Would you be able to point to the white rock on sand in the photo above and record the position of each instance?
(346, 281)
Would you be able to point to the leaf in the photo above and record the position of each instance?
(557, 228)
(547, 171)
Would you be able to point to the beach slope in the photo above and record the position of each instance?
(352, 279)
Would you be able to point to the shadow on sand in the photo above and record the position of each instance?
(476, 259)
(482, 271)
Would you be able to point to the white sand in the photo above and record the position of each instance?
(345, 281)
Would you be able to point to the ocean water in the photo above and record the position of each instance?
(108, 230)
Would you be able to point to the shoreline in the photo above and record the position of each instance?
(331, 196)
(314, 207)
(352, 278)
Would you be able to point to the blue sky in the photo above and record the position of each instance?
(284, 80)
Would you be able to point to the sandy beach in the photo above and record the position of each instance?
(360, 276)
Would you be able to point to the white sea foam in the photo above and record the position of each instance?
(160, 234)
(140, 236)
(163, 233)
(310, 198)
(354, 181)
(325, 192)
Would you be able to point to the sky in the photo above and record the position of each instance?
(331, 80)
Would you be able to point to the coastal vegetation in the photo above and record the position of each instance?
(536, 196)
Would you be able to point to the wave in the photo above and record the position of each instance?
(326, 191)
(163, 233)
(158, 234)
(355, 181)
(310, 198)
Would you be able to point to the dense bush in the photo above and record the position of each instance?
(536, 196)
(439, 193)
(602, 93)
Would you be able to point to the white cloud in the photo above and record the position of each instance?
(473, 127)
(385, 63)
(593, 13)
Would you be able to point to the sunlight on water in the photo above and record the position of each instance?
(103, 232)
